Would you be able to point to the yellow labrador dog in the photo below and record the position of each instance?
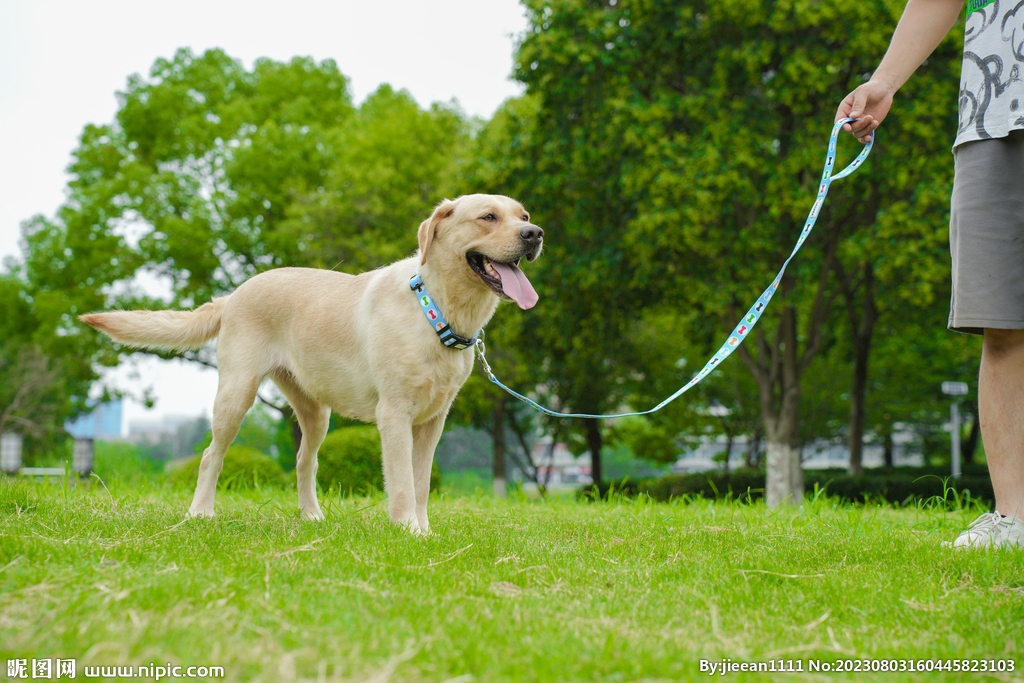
(368, 346)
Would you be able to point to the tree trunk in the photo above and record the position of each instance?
(862, 328)
(526, 463)
(784, 480)
(778, 367)
(550, 455)
(782, 434)
(594, 442)
(970, 446)
(888, 447)
(498, 434)
(752, 458)
(858, 396)
(728, 452)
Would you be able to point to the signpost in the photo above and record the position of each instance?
(954, 389)
(10, 452)
(82, 455)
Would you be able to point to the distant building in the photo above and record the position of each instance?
(560, 468)
(820, 454)
(103, 422)
(155, 431)
(563, 470)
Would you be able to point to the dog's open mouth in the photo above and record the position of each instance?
(504, 278)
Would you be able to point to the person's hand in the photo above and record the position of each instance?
(869, 104)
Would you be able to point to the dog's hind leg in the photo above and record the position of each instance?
(313, 418)
(424, 440)
(235, 395)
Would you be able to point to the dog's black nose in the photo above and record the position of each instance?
(531, 234)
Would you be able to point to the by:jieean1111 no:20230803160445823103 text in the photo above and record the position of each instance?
(729, 666)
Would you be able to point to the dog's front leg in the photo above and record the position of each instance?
(424, 442)
(395, 427)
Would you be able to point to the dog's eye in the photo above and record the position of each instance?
(526, 218)
(490, 217)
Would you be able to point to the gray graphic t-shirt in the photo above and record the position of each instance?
(991, 85)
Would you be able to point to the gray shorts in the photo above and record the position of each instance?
(986, 235)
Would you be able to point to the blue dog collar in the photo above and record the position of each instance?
(436, 318)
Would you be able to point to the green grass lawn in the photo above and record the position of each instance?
(504, 590)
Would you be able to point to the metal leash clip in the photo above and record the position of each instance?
(480, 351)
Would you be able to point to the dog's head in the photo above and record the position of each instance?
(488, 235)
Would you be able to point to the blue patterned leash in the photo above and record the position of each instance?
(742, 329)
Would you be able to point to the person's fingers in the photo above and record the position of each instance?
(843, 111)
(863, 125)
(867, 138)
(854, 106)
(860, 100)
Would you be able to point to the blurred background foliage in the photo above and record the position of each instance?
(671, 151)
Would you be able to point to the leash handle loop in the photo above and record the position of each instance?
(751, 317)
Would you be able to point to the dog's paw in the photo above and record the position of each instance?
(312, 515)
(200, 513)
(410, 523)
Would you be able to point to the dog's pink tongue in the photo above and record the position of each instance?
(515, 285)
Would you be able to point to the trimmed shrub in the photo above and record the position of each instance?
(626, 486)
(901, 487)
(244, 468)
(712, 484)
(350, 461)
(125, 462)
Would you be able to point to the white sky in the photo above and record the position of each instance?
(61, 62)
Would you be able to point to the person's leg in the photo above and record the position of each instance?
(986, 240)
(1001, 411)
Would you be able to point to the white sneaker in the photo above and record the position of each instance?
(991, 529)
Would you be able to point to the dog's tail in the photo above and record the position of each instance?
(181, 330)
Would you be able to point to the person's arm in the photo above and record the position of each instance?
(922, 27)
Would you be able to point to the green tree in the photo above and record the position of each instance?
(42, 380)
(710, 122)
(485, 406)
(893, 272)
(912, 357)
(674, 345)
(155, 191)
(579, 334)
(499, 158)
(204, 160)
(394, 162)
(212, 173)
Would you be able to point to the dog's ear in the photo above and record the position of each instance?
(428, 228)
